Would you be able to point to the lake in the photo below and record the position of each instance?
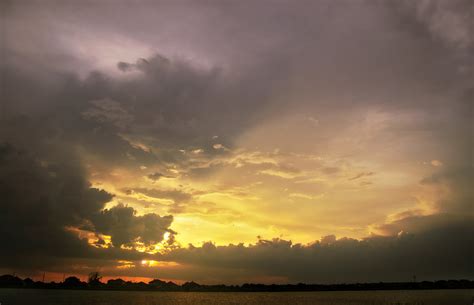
(75, 297)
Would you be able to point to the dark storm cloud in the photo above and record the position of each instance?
(39, 199)
(42, 198)
(170, 104)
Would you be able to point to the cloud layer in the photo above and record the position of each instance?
(131, 130)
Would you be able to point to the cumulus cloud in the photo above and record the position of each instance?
(331, 260)
(125, 227)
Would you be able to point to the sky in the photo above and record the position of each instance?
(237, 141)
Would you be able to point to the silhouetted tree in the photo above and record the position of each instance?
(8, 280)
(191, 286)
(157, 283)
(72, 282)
(116, 283)
(28, 282)
(94, 279)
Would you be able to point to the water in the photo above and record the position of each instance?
(74, 297)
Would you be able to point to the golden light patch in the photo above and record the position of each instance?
(153, 263)
(278, 173)
(93, 239)
(143, 197)
(161, 247)
(306, 196)
(125, 264)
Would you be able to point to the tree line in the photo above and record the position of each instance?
(95, 282)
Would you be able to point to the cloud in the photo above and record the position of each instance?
(448, 21)
(126, 228)
(363, 174)
(314, 93)
(456, 195)
(108, 111)
(331, 260)
(44, 198)
(218, 146)
(178, 196)
(155, 176)
(40, 198)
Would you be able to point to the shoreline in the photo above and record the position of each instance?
(73, 283)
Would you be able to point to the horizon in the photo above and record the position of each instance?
(106, 281)
(231, 142)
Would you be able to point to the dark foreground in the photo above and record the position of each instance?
(74, 283)
(89, 297)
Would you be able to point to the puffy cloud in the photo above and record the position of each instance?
(125, 227)
(331, 260)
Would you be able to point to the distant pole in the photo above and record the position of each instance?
(44, 273)
(414, 279)
(64, 276)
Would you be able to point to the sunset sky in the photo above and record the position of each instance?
(237, 141)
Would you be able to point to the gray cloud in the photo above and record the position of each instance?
(40, 198)
(448, 21)
(456, 179)
(171, 104)
(180, 103)
(108, 111)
